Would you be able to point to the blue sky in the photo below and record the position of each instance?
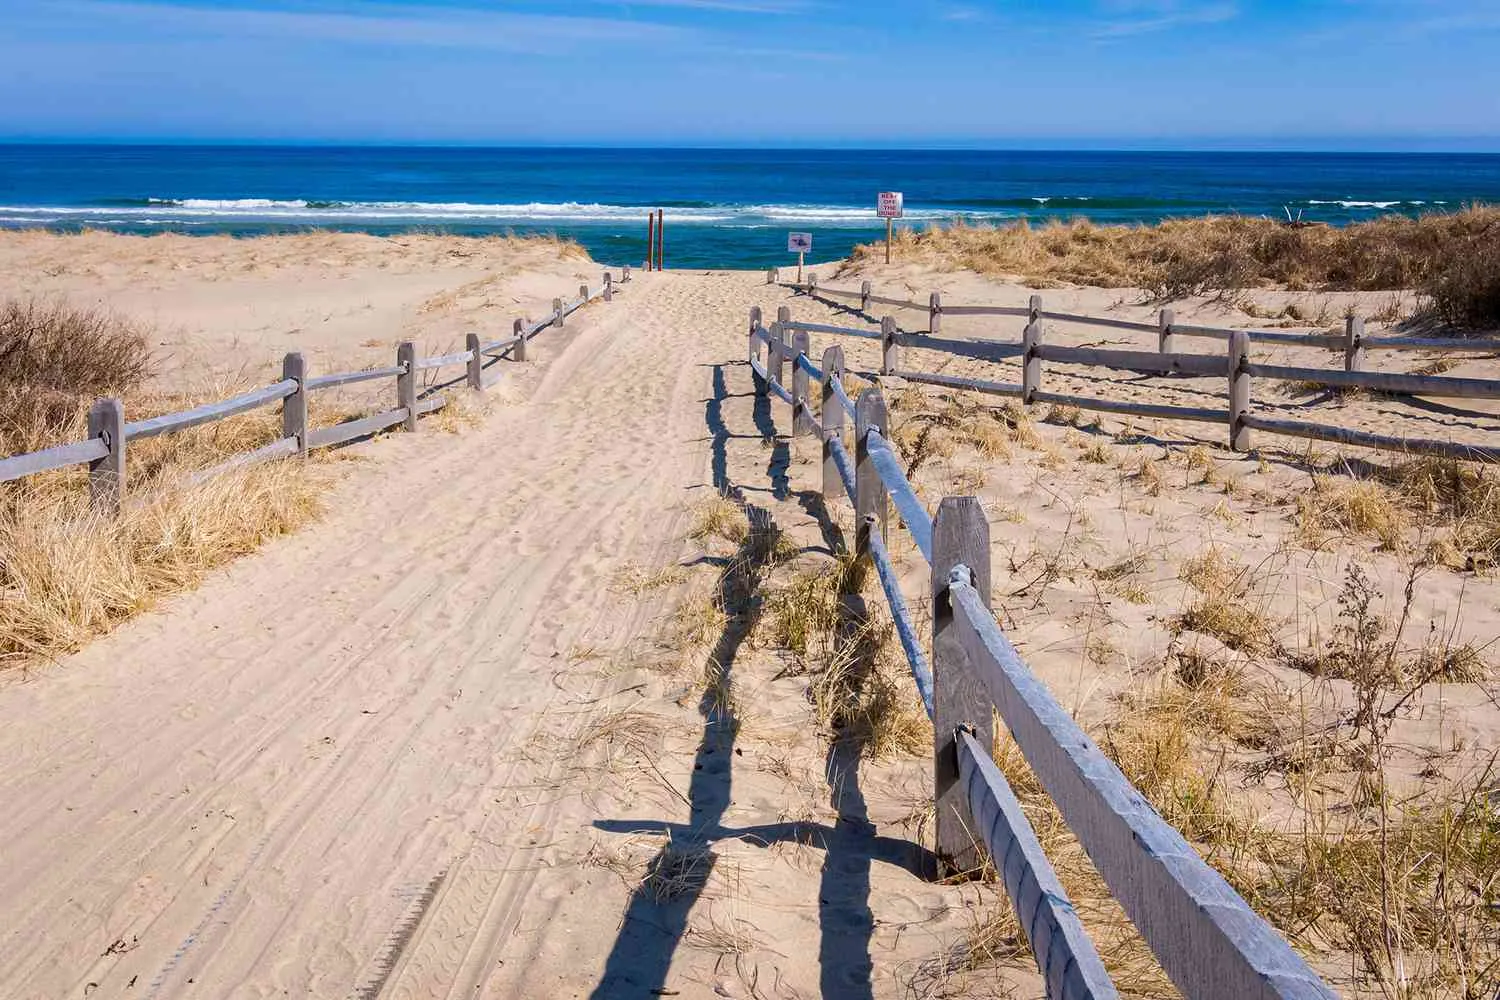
(1388, 74)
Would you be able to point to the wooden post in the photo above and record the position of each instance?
(812, 284)
(650, 241)
(801, 263)
(406, 383)
(889, 228)
(559, 314)
(870, 495)
(476, 363)
(625, 274)
(890, 356)
(583, 295)
(1164, 340)
(777, 362)
(1239, 390)
(864, 297)
(833, 421)
(661, 240)
(1031, 339)
(771, 276)
(107, 474)
(609, 287)
(755, 318)
(935, 313)
(802, 418)
(519, 354)
(1354, 344)
(294, 407)
(784, 315)
(960, 537)
(754, 351)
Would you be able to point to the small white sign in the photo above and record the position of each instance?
(889, 205)
(799, 242)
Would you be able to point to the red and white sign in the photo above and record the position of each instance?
(889, 205)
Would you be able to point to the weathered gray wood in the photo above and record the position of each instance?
(1354, 343)
(988, 311)
(758, 374)
(324, 437)
(864, 297)
(881, 300)
(1392, 382)
(1165, 342)
(802, 418)
(107, 472)
(832, 417)
(776, 360)
(476, 362)
(443, 361)
(988, 350)
(57, 457)
(960, 545)
(890, 353)
(1382, 442)
(906, 631)
(1031, 367)
(845, 331)
(772, 276)
(499, 348)
(349, 378)
(784, 315)
(625, 274)
(431, 404)
(283, 448)
(294, 407)
(1134, 361)
(1150, 410)
(972, 384)
(1239, 390)
(812, 284)
(559, 313)
(843, 398)
(1209, 941)
(209, 412)
(520, 331)
(899, 489)
(1261, 336)
(869, 489)
(755, 318)
(609, 287)
(935, 313)
(406, 384)
(1114, 324)
(1477, 344)
(1064, 954)
(583, 297)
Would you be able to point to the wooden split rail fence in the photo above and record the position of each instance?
(1207, 938)
(109, 434)
(1236, 366)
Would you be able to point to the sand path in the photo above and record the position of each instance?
(313, 776)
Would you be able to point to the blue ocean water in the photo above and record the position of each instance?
(724, 208)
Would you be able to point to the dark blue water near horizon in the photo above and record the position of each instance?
(725, 208)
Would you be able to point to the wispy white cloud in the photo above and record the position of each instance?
(732, 6)
(1141, 17)
(371, 24)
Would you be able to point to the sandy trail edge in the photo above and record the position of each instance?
(258, 789)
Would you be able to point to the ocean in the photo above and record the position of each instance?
(724, 208)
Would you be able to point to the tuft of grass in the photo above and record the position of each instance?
(720, 517)
(1350, 507)
(1222, 608)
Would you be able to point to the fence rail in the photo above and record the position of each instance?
(1207, 939)
(1235, 366)
(104, 450)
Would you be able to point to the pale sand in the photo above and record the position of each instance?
(417, 750)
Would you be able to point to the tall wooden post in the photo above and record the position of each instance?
(1165, 342)
(625, 274)
(107, 474)
(777, 362)
(935, 313)
(583, 295)
(609, 287)
(1031, 339)
(784, 315)
(559, 314)
(801, 263)
(519, 353)
(802, 418)
(812, 284)
(661, 240)
(1239, 390)
(832, 415)
(755, 318)
(864, 297)
(890, 352)
(476, 362)
(1354, 343)
(889, 229)
(754, 351)
(650, 241)
(770, 275)
(960, 538)
(871, 503)
(294, 407)
(406, 383)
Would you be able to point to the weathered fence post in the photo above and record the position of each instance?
(583, 295)
(935, 313)
(772, 276)
(519, 354)
(107, 474)
(890, 353)
(754, 355)
(864, 297)
(624, 274)
(777, 362)
(1031, 339)
(812, 284)
(1354, 343)
(650, 241)
(755, 318)
(832, 415)
(870, 495)
(559, 315)
(476, 363)
(609, 287)
(784, 315)
(1239, 390)
(802, 418)
(960, 537)
(406, 383)
(1164, 340)
(294, 407)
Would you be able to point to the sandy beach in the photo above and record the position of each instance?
(505, 722)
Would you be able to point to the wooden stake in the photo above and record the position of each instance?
(1239, 390)
(650, 241)
(889, 227)
(476, 363)
(294, 407)
(406, 383)
(661, 240)
(107, 474)
(833, 421)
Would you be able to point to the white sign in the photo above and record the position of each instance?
(799, 242)
(889, 205)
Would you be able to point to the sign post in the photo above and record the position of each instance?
(801, 245)
(888, 207)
